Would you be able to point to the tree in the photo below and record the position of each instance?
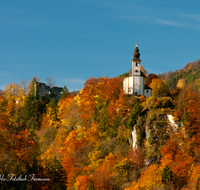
(151, 76)
(134, 115)
(32, 84)
(159, 88)
(181, 83)
(50, 81)
(151, 178)
(82, 182)
(123, 168)
(12, 90)
(167, 174)
(64, 93)
(23, 85)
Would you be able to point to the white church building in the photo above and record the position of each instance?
(135, 82)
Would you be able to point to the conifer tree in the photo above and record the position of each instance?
(166, 174)
(64, 93)
(134, 115)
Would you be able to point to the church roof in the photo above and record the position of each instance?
(147, 87)
(142, 74)
(130, 74)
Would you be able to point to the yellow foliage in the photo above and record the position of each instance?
(81, 132)
(12, 91)
(68, 111)
(159, 88)
(152, 177)
(95, 159)
(123, 167)
(181, 83)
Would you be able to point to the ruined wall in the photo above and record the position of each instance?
(45, 91)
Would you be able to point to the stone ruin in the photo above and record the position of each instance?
(45, 91)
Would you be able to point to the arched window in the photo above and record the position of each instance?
(136, 64)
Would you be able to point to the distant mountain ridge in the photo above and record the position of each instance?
(191, 73)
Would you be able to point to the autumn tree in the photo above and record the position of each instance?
(103, 176)
(102, 101)
(181, 83)
(151, 178)
(151, 76)
(137, 157)
(23, 85)
(159, 88)
(12, 90)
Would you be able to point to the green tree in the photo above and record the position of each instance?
(134, 115)
(166, 174)
(64, 93)
(91, 186)
(33, 107)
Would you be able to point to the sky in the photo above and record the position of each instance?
(72, 40)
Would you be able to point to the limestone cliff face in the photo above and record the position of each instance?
(174, 124)
(134, 137)
(156, 126)
(152, 127)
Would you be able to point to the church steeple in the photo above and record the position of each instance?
(136, 54)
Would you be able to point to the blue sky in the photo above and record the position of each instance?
(72, 40)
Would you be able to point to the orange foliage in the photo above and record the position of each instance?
(189, 102)
(151, 178)
(92, 133)
(101, 91)
(24, 146)
(71, 144)
(68, 165)
(103, 174)
(170, 149)
(151, 76)
(82, 182)
(134, 186)
(195, 176)
(177, 154)
(137, 157)
(64, 107)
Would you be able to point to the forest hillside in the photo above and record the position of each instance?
(100, 138)
(190, 73)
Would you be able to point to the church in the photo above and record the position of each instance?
(135, 82)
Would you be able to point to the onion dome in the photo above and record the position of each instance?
(136, 54)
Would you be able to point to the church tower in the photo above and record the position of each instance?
(135, 81)
(136, 71)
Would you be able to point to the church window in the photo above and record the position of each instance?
(136, 71)
(136, 64)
